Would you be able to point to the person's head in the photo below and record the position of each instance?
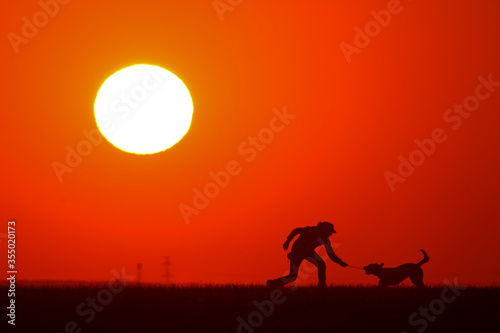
(326, 228)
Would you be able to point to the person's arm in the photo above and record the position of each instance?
(332, 255)
(290, 237)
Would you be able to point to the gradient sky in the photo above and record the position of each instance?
(353, 119)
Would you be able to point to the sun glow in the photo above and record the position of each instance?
(143, 109)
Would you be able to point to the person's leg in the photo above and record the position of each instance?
(320, 264)
(292, 276)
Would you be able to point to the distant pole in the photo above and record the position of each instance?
(139, 271)
(167, 264)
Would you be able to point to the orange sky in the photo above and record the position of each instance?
(355, 114)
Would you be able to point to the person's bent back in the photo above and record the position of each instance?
(304, 249)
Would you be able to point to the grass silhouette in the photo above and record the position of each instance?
(216, 308)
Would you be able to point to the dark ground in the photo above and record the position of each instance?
(217, 309)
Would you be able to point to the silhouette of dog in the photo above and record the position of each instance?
(393, 276)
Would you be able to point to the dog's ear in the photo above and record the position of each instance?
(382, 264)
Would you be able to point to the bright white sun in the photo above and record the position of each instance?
(143, 109)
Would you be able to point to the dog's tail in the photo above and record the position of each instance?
(426, 258)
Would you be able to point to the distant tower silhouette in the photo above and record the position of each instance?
(139, 272)
(167, 264)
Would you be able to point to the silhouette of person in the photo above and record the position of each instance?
(303, 249)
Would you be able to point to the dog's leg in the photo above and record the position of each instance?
(417, 278)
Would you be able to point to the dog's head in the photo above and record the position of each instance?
(373, 269)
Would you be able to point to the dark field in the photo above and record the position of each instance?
(223, 309)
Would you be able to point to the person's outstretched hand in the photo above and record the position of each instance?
(285, 245)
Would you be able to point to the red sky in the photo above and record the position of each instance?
(354, 116)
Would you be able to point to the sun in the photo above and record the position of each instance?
(143, 109)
